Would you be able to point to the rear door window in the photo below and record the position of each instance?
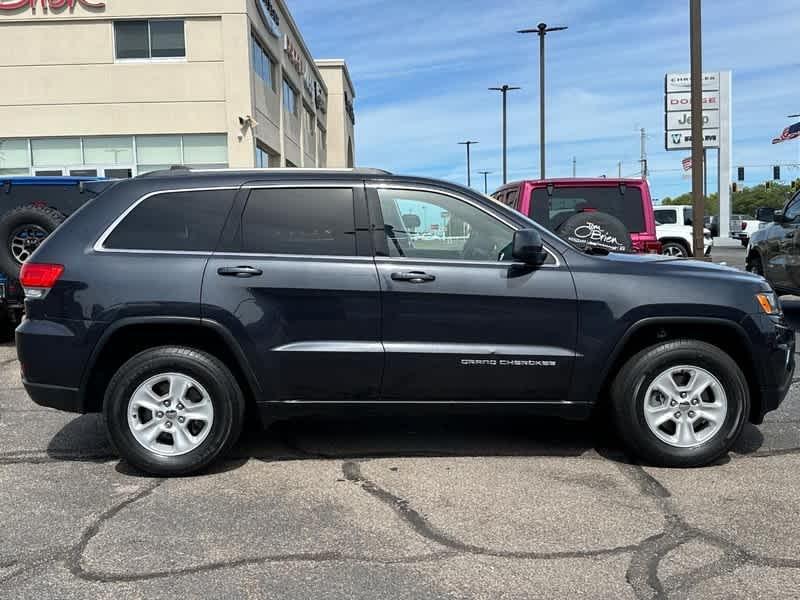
(553, 210)
(309, 221)
(174, 221)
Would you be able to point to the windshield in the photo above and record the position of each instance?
(553, 210)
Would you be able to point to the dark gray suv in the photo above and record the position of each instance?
(172, 302)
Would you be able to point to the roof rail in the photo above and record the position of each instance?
(183, 170)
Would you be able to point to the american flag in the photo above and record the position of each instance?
(789, 133)
(687, 163)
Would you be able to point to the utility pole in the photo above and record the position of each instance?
(468, 143)
(643, 159)
(541, 30)
(696, 51)
(574, 166)
(485, 181)
(504, 90)
(619, 169)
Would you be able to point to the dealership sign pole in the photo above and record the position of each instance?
(716, 128)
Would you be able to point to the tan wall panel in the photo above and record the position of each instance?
(204, 40)
(131, 9)
(113, 119)
(123, 82)
(75, 43)
(291, 151)
(238, 89)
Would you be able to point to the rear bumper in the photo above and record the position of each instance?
(54, 396)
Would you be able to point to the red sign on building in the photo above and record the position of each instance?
(49, 4)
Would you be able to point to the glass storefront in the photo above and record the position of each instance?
(111, 156)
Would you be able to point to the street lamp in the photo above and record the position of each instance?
(468, 143)
(541, 30)
(504, 89)
(485, 181)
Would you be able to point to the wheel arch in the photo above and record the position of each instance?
(676, 240)
(728, 336)
(127, 337)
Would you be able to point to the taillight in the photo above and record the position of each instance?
(652, 247)
(38, 278)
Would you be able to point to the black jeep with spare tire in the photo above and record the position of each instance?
(31, 208)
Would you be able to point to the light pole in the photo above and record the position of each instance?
(696, 55)
(468, 143)
(485, 181)
(541, 30)
(504, 89)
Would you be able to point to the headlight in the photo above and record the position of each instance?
(768, 303)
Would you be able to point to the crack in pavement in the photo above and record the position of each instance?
(419, 524)
(642, 573)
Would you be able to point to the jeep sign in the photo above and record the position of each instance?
(683, 120)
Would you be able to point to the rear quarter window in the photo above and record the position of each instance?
(175, 221)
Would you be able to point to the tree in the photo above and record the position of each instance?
(744, 201)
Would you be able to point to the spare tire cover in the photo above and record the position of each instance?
(588, 231)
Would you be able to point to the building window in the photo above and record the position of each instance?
(157, 152)
(289, 98)
(144, 40)
(266, 159)
(310, 121)
(15, 157)
(263, 64)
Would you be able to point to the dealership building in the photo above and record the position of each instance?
(123, 87)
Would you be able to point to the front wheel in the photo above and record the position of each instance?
(681, 403)
(171, 411)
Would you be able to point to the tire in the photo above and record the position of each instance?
(634, 381)
(211, 384)
(675, 249)
(744, 242)
(756, 264)
(22, 230)
(596, 232)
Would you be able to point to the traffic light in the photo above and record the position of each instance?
(734, 187)
(740, 174)
(776, 172)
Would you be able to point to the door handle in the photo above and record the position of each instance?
(239, 272)
(413, 277)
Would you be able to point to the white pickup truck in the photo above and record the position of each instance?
(743, 226)
(674, 231)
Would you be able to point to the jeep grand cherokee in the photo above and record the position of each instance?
(172, 302)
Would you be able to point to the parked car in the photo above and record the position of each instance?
(30, 209)
(774, 250)
(711, 222)
(675, 232)
(552, 202)
(744, 226)
(175, 301)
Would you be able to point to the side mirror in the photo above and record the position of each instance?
(764, 214)
(528, 247)
(778, 217)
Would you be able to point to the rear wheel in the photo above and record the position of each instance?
(172, 410)
(676, 249)
(681, 403)
(755, 264)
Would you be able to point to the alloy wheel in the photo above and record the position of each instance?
(170, 414)
(685, 406)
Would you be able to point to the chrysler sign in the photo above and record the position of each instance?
(49, 4)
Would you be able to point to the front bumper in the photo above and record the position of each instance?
(775, 351)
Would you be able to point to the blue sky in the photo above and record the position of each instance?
(422, 69)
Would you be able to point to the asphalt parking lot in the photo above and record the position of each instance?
(395, 508)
